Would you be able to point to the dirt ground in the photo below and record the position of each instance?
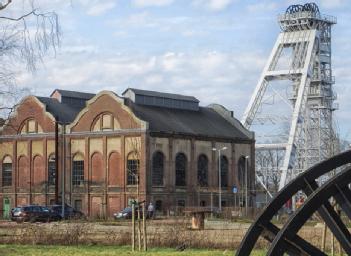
(167, 232)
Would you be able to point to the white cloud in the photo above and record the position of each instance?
(225, 78)
(148, 3)
(213, 5)
(97, 7)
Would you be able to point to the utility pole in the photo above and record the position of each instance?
(246, 183)
(56, 160)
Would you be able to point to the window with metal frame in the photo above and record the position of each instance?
(77, 172)
(132, 169)
(202, 171)
(51, 171)
(157, 169)
(241, 171)
(224, 172)
(6, 174)
(180, 169)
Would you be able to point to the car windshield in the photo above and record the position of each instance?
(17, 209)
(128, 209)
(45, 209)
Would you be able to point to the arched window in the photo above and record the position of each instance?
(180, 169)
(224, 172)
(105, 122)
(202, 171)
(51, 170)
(78, 170)
(7, 172)
(97, 171)
(157, 169)
(133, 163)
(30, 126)
(241, 171)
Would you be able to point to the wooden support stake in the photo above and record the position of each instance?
(133, 227)
(144, 227)
(139, 229)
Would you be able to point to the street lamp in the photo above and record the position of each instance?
(246, 184)
(219, 177)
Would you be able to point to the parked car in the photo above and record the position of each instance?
(70, 212)
(33, 213)
(126, 213)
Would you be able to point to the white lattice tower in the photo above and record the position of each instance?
(301, 58)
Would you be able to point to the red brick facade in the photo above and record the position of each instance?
(104, 141)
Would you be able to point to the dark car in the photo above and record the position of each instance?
(33, 213)
(70, 212)
(126, 213)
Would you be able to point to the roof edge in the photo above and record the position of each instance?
(227, 115)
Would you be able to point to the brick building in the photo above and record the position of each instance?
(106, 143)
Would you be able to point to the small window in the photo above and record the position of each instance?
(78, 205)
(30, 126)
(132, 169)
(202, 171)
(7, 172)
(224, 172)
(180, 168)
(181, 203)
(51, 170)
(224, 203)
(78, 170)
(157, 169)
(241, 171)
(158, 205)
(105, 122)
(202, 203)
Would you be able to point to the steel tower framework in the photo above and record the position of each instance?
(301, 58)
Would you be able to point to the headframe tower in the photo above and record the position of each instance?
(295, 93)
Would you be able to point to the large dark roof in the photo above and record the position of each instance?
(73, 94)
(204, 122)
(62, 112)
(162, 95)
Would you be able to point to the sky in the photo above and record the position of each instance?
(214, 50)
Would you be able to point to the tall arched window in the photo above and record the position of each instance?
(97, 171)
(241, 171)
(224, 172)
(157, 169)
(180, 169)
(7, 171)
(78, 170)
(202, 171)
(51, 170)
(133, 163)
(23, 172)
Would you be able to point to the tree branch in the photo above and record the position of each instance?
(2, 7)
(19, 18)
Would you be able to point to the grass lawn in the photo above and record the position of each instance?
(95, 250)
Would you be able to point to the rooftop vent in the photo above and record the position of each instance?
(160, 99)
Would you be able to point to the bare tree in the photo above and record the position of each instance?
(24, 40)
(268, 163)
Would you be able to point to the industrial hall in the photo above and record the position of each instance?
(98, 152)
